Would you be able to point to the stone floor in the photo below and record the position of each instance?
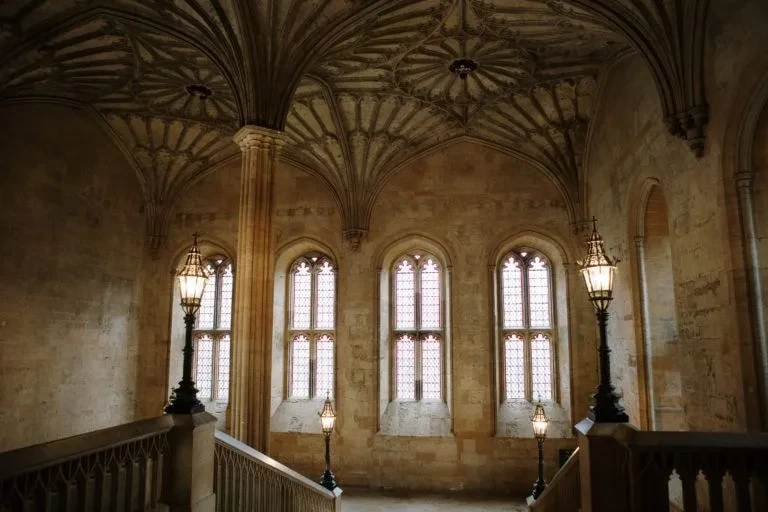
(364, 500)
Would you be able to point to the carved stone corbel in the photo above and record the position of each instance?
(670, 38)
(354, 237)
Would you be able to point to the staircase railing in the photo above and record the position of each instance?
(563, 492)
(701, 460)
(249, 480)
(625, 469)
(119, 468)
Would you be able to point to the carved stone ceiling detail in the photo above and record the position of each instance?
(168, 104)
(359, 86)
(387, 93)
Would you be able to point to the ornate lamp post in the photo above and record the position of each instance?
(192, 280)
(540, 423)
(328, 421)
(598, 271)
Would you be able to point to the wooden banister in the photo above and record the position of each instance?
(563, 492)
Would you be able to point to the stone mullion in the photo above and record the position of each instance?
(252, 326)
(526, 333)
(417, 362)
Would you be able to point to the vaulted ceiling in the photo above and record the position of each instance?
(359, 87)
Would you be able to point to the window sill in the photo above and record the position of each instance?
(424, 401)
(294, 400)
(422, 419)
(298, 416)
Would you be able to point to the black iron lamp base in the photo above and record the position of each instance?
(605, 407)
(184, 398)
(538, 488)
(608, 414)
(184, 402)
(328, 481)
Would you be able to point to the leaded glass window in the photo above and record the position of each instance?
(417, 326)
(526, 317)
(212, 332)
(311, 327)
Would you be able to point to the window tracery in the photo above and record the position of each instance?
(311, 327)
(527, 326)
(417, 327)
(212, 332)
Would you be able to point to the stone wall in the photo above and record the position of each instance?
(630, 146)
(470, 200)
(73, 248)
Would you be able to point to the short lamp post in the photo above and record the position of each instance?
(540, 423)
(192, 280)
(328, 421)
(598, 271)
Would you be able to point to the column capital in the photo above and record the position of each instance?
(251, 136)
(744, 178)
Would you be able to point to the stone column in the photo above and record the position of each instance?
(645, 315)
(252, 327)
(188, 484)
(744, 181)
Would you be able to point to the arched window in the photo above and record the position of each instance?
(417, 327)
(527, 326)
(212, 333)
(311, 327)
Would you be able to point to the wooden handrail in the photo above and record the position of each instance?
(562, 493)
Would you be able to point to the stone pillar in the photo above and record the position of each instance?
(252, 327)
(645, 315)
(188, 485)
(744, 181)
(604, 466)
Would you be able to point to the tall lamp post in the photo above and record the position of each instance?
(328, 421)
(540, 423)
(598, 271)
(192, 280)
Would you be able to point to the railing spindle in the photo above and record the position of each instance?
(714, 476)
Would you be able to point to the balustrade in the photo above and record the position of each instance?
(114, 469)
(701, 461)
(249, 480)
(563, 492)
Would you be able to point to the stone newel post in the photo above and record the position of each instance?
(252, 327)
(188, 484)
